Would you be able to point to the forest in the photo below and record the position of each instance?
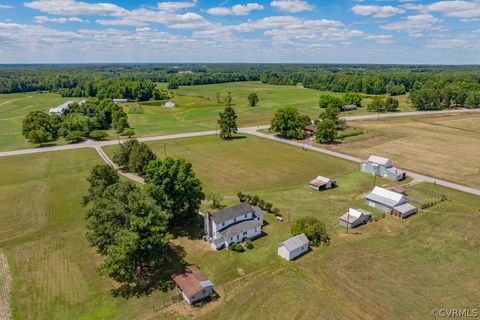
(430, 87)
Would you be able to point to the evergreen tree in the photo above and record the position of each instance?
(227, 123)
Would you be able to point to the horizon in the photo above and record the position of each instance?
(397, 32)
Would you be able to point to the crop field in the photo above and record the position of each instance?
(444, 146)
(14, 107)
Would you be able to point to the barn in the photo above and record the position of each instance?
(322, 183)
(390, 202)
(355, 217)
(193, 284)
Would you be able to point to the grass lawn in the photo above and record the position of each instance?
(14, 107)
(370, 273)
(443, 146)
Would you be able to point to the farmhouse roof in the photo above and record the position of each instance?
(294, 242)
(395, 171)
(191, 281)
(380, 160)
(240, 228)
(387, 197)
(232, 212)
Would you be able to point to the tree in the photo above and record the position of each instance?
(377, 105)
(122, 156)
(426, 99)
(175, 187)
(173, 85)
(253, 99)
(227, 123)
(140, 156)
(218, 95)
(129, 132)
(473, 100)
(130, 231)
(74, 136)
(228, 99)
(98, 135)
(332, 113)
(215, 199)
(352, 98)
(289, 123)
(327, 100)
(122, 124)
(101, 177)
(37, 121)
(327, 132)
(39, 136)
(313, 228)
(391, 104)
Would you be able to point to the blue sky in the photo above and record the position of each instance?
(297, 31)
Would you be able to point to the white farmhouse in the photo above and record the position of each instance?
(382, 167)
(293, 247)
(390, 202)
(193, 284)
(322, 183)
(355, 217)
(232, 224)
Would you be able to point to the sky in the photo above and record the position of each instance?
(278, 31)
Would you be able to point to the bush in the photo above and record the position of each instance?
(129, 132)
(248, 243)
(98, 135)
(74, 136)
(268, 206)
(254, 200)
(276, 211)
(236, 247)
(242, 196)
(314, 229)
(350, 134)
(261, 204)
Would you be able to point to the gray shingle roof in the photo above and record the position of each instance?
(239, 228)
(232, 212)
(295, 242)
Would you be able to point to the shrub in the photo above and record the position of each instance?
(248, 243)
(261, 204)
(254, 200)
(98, 135)
(268, 206)
(129, 132)
(350, 134)
(74, 136)
(276, 211)
(236, 247)
(242, 196)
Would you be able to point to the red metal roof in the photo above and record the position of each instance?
(189, 280)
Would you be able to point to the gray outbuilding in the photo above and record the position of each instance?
(293, 247)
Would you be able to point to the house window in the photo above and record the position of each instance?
(245, 232)
(246, 215)
(223, 223)
(238, 237)
(234, 219)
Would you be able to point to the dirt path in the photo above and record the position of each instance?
(5, 288)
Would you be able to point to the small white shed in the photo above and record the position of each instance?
(322, 183)
(293, 247)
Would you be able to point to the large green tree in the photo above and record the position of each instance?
(352, 98)
(314, 229)
(289, 123)
(175, 187)
(377, 105)
(122, 156)
(391, 104)
(101, 177)
(140, 156)
(227, 123)
(38, 127)
(332, 113)
(327, 100)
(326, 131)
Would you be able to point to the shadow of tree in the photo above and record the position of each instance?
(193, 229)
(156, 277)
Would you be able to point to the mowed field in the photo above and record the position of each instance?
(370, 273)
(444, 146)
(14, 107)
(197, 107)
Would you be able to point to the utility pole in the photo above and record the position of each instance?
(374, 180)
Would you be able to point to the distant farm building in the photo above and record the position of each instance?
(310, 130)
(120, 100)
(293, 247)
(60, 108)
(232, 225)
(355, 217)
(193, 284)
(322, 183)
(349, 107)
(390, 202)
(382, 167)
(169, 104)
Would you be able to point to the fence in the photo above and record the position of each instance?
(438, 197)
(167, 302)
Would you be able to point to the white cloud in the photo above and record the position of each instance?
(413, 25)
(459, 9)
(43, 19)
(236, 10)
(377, 11)
(6, 6)
(293, 6)
(381, 38)
(75, 8)
(176, 6)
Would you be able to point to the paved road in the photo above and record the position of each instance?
(414, 175)
(253, 131)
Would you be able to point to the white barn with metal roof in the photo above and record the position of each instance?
(382, 167)
(293, 247)
(355, 217)
(390, 202)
